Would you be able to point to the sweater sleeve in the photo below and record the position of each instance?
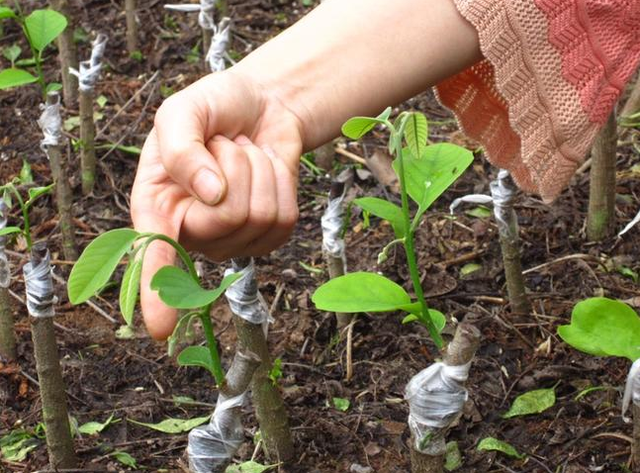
(552, 73)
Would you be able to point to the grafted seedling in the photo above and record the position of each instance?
(7, 333)
(41, 300)
(67, 54)
(132, 25)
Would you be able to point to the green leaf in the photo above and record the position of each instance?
(533, 402)
(589, 390)
(469, 268)
(124, 458)
(196, 356)
(628, 272)
(493, 444)
(26, 62)
(94, 428)
(9, 230)
(180, 331)
(341, 404)
(35, 192)
(11, 52)
(249, 467)
(360, 292)
(6, 12)
(129, 289)
(101, 101)
(179, 290)
(385, 210)
(275, 373)
(453, 457)
(428, 176)
(603, 327)
(98, 262)
(16, 445)
(356, 127)
(53, 87)
(71, 123)
(415, 133)
(26, 176)
(437, 317)
(125, 332)
(15, 78)
(43, 26)
(174, 426)
(480, 212)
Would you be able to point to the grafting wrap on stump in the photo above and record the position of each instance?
(90, 70)
(205, 12)
(503, 193)
(332, 222)
(5, 270)
(632, 389)
(39, 287)
(436, 396)
(244, 298)
(213, 446)
(50, 122)
(218, 48)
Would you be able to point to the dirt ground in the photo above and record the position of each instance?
(135, 379)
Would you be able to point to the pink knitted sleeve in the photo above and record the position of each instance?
(553, 70)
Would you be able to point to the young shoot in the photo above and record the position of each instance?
(424, 172)
(40, 28)
(176, 287)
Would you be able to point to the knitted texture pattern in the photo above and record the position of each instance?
(552, 73)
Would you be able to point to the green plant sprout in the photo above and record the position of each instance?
(176, 287)
(425, 172)
(40, 28)
(11, 191)
(606, 327)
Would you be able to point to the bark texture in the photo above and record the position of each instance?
(636, 439)
(460, 351)
(7, 332)
(87, 138)
(132, 25)
(632, 105)
(52, 393)
(602, 190)
(270, 410)
(67, 54)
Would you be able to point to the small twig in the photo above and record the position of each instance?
(350, 349)
(560, 260)
(350, 155)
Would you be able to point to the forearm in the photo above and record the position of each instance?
(355, 57)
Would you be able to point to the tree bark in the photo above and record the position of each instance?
(460, 351)
(132, 25)
(602, 190)
(7, 332)
(87, 137)
(635, 457)
(52, 393)
(67, 55)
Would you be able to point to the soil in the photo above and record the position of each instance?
(135, 379)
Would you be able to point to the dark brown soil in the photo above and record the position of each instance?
(135, 379)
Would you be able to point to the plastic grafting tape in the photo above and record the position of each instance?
(205, 10)
(90, 70)
(244, 298)
(436, 397)
(218, 48)
(50, 122)
(630, 225)
(631, 389)
(215, 444)
(39, 287)
(503, 193)
(332, 222)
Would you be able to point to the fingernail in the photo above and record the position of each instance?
(207, 187)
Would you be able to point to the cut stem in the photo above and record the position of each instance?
(602, 189)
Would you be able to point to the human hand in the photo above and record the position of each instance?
(218, 172)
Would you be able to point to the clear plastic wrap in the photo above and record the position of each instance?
(332, 222)
(632, 389)
(503, 193)
(50, 121)
(89, 71)
(212, 447)
(630, 225)
(205, 11)
(436, 397)
(38, 281)
(218, 47)
(243, 295)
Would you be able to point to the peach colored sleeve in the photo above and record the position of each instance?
(552, 73)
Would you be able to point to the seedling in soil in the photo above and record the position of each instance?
(424, 172)
(67, 54)
(212, 447)
(40, 28)
(606, 327)
(41, 305)
(7, 332)
(132, 26)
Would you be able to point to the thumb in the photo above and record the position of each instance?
(182, 128)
